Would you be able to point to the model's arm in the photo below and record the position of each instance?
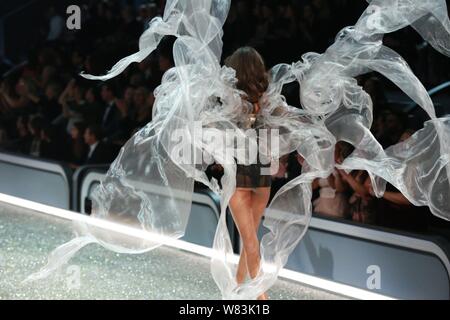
(32, 97)
(315, 184)
(339, 184)
(25, 92)
(63, 99)
(331, 181)
(10, 101)
(354, 184)
(396, 197)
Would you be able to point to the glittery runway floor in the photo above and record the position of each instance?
(26, 237)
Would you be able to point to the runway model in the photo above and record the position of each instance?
(252, 186)
(149, 186)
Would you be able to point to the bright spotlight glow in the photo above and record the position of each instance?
(302, 278)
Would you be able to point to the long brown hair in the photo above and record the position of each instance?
(250, 72)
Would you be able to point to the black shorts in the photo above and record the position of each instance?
(251, 177)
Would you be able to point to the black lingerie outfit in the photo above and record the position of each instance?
(249, 176)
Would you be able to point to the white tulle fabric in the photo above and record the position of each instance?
(149, 188)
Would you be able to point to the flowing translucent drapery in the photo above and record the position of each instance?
(149, 186)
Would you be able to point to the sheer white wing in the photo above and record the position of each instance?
(149, 186)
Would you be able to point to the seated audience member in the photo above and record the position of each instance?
(289, 167)
(47, 104)
(35, 126)
(115, 120)
(361, 203)
(53, 145)
(20, 142)
(99, 152)
(78, 149)
(73, 105)
(333, 199)
(393, 127)
(93, 111)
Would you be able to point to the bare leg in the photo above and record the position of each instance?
(259, 200)
(259, 203)
(242, 268)
(240, 204)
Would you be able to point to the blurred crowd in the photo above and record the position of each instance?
(48, 111)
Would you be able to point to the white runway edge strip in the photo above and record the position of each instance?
(322, 284)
